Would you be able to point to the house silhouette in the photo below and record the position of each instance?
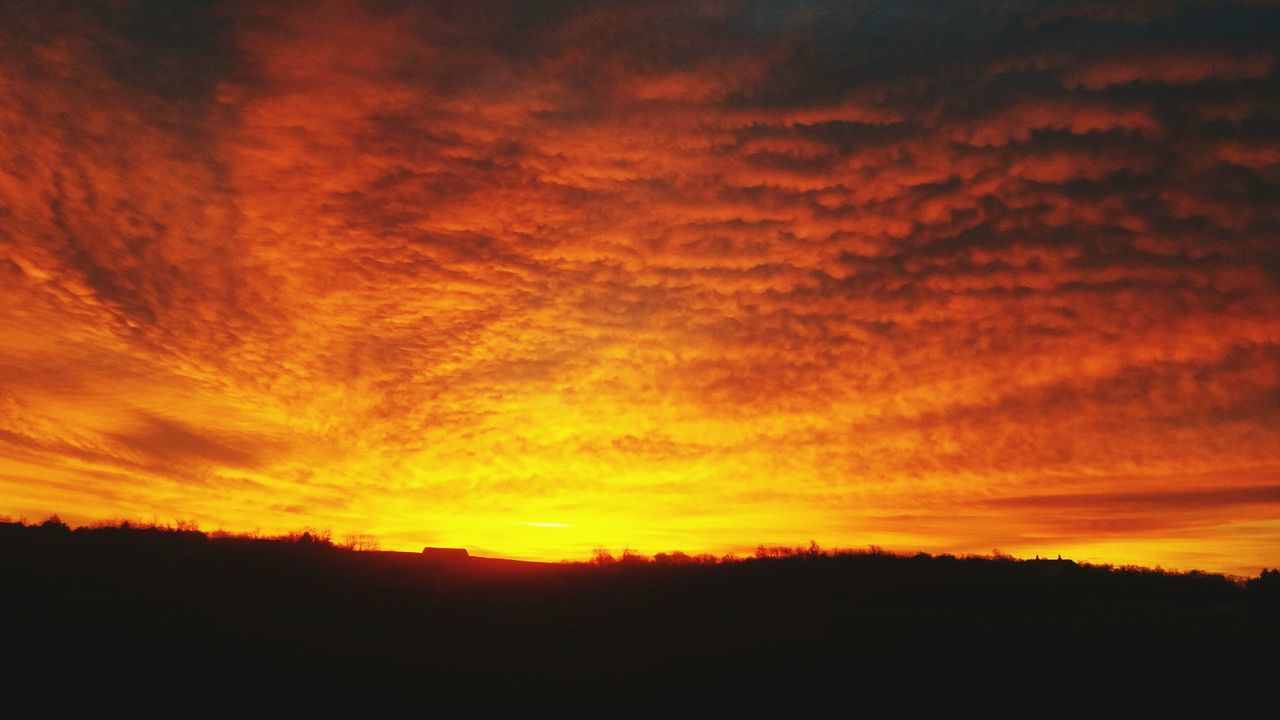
(445, 554)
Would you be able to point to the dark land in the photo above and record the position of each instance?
(176, 623)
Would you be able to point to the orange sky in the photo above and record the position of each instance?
(533, 278)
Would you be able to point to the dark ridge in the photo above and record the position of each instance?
(172, 622)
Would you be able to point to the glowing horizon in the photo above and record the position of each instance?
(695, 276)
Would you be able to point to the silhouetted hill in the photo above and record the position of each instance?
(175, 623)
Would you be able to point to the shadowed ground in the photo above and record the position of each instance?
(172, 623)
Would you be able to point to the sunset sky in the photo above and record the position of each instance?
(537, 277)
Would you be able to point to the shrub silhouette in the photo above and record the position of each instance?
(54, 523)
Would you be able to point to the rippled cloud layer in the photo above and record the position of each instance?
(534, 277)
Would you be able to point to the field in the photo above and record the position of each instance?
(166, 622)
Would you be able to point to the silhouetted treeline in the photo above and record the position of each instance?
(175, 622)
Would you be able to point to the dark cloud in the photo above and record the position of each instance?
(1150, 502)
(181, 446)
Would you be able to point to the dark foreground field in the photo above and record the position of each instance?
(177, 624)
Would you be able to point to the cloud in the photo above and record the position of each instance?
(1142, 503)
(767, 269)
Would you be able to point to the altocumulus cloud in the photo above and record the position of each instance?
(536, 276)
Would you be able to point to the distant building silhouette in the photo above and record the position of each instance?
(445, 554)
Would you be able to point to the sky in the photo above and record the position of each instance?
(538, 277)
